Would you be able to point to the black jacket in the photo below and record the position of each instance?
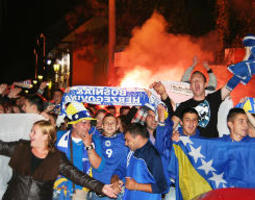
(38, 185)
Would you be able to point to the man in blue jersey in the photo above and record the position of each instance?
(113, 149)
(77, 144)
(238, 125)
(142, 168)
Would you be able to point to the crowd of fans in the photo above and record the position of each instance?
(130, 146)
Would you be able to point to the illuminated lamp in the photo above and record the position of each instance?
(56, 67)
(35, 82)
(49, 84)
(40, 77)
(26, 91)
(48, 61)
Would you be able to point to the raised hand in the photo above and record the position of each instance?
(161, 113)
(176, 136)
(43, 85)
(206, 66)
(195, 60)
(160, 89)
(14, 92)
(3, 87)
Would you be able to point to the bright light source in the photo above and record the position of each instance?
(40, 77)
(49, 84)
(35, 82)
(48, 61)
(26, 91)
(56, 67)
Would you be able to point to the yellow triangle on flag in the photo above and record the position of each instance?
(247, 106)
(191, 183)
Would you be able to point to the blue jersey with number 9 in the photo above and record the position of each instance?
(114, 150)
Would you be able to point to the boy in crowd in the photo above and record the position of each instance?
(189, 124)
(113, 149)
(238, 125)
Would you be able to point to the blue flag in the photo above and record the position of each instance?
(248, 105)
(200, 165)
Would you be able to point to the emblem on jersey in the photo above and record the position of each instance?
(107, 143)
(204, 112)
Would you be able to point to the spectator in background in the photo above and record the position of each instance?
(212, 83)
(57, 96)
(251, 124)
(122, 123)
(124, 110)
(33, 104)
(100, 114)
(111, 109)
(56, 100)
(2, 108)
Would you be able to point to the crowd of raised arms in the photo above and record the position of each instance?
(118, 152)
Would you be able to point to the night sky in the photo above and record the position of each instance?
(21, 25)
(22, 22)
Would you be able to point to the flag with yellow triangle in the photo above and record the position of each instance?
(200, 165)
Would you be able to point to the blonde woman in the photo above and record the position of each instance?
(36, 165)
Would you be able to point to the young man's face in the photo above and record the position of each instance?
(57, 97)
(110, 126)
(130, 141)
(239, 125)
(28, 107)
(150, 120)
(197, 84)
(189, 123)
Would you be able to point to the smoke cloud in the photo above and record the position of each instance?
(154, 54)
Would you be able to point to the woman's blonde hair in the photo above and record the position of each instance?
(48, 129)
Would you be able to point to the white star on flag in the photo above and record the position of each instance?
(195, 153)
(207, 166)
(185, 140)
(218, 179)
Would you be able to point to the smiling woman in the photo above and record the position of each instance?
(36, 165)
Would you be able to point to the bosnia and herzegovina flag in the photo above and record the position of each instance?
(200, 165)
(248, 105)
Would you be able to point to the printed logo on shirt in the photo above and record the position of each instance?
(107, 143)
(204, 112)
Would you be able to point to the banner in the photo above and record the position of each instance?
(110, 96)
(200, 165)
(179, 91)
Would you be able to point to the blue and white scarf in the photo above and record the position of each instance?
(109, 96)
